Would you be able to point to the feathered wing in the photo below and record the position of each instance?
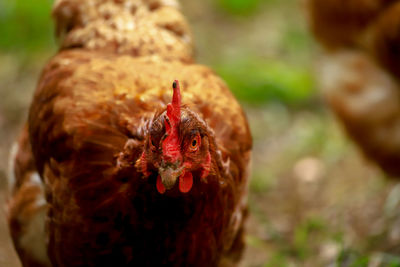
(359, 72)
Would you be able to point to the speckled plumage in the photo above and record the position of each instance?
(88, 123)
(134, 27)
(359, 72)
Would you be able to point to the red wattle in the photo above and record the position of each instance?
(160, 186)
(185, 182)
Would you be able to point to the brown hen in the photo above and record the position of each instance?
(359, 71)
(107, 173)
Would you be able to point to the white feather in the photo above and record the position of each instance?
(11, 166)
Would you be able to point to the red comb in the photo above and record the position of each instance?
(170, 145)
(174, 108)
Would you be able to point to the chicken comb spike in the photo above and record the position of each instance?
(171, 146)
(174, 111)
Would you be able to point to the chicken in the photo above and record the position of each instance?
(359, 72)
(115, 167)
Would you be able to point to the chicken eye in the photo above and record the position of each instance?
(194, 145)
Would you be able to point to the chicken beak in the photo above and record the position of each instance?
(169, 175)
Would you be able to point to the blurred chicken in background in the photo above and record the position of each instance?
(359, 71)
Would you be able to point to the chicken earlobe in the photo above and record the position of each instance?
(206, 166)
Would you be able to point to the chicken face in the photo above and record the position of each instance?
(177, 147)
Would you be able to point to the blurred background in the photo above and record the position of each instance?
(315, 200)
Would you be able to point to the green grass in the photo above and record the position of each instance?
(278, 259)
(304, 235)
(247, 7)
(25, 25)
(257, 82)
(239, 7)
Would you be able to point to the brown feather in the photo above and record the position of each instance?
(88, 125)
